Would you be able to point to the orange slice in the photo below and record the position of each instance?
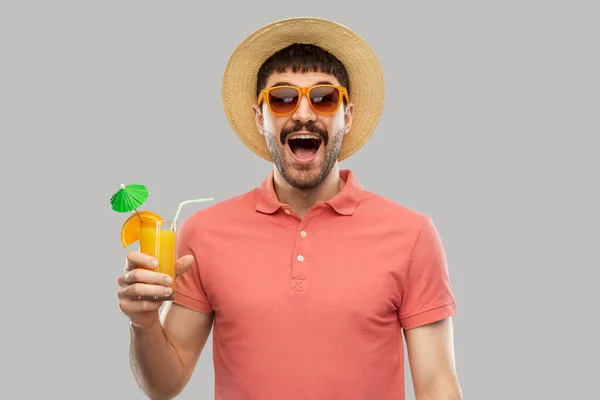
(130, 231)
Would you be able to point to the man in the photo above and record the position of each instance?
(309, 279)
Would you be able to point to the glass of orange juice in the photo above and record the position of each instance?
(158, 239)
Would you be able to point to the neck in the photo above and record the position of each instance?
(303, 199)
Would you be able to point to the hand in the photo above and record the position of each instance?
(140, 279)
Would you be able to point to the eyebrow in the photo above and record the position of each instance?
(284, 83)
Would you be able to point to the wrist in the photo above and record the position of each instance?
(146, 326)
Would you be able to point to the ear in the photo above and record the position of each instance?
(349, 117)
(258, 118)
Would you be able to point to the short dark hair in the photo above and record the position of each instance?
(302, 58)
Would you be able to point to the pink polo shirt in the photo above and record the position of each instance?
(313, 308)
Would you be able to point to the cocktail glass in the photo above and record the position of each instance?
(158, 239)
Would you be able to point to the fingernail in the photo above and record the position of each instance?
(167, 291)
(168, 280)
(154, 263)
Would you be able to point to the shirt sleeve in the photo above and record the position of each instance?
(426, 296)
(189, 290)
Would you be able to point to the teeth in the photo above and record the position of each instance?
(306, 137)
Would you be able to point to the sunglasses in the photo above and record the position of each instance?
(284, 100)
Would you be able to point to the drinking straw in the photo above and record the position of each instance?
(183, 203)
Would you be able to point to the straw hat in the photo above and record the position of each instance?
(367, 89)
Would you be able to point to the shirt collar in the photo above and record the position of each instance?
(344, 203)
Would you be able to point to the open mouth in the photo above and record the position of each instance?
(305, 147)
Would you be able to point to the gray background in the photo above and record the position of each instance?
(490, 127)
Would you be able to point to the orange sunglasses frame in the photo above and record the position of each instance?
(304, 91)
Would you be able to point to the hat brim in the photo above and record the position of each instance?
(367, 88)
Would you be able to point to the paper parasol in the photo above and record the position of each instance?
(129, 198)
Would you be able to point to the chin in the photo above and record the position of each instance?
(302, 175)
(303, 181)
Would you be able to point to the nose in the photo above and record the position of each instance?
(304, 112)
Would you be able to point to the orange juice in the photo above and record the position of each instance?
(159, 241)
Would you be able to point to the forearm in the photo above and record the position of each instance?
(447, 389)
(155, 363)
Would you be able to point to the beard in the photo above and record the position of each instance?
(304, 176)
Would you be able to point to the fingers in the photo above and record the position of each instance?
(140, 283)
(135, 259)
(183, 264)
(130, 306)
(143, 290)
(145, 276)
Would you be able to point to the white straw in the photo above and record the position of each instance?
(187, 202)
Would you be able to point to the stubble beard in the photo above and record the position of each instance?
(301, 176)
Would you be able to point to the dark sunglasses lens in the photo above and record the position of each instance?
(283, 100)
(325, 98)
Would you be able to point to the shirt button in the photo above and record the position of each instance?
(300, 258)
(303, 234)
(287, 212)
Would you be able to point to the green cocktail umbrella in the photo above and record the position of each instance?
(129, 198)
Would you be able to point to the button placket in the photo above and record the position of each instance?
(301, 259)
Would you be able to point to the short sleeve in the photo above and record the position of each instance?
(189, 291)
(426, 295)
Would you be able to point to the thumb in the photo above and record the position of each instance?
(183, 264)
